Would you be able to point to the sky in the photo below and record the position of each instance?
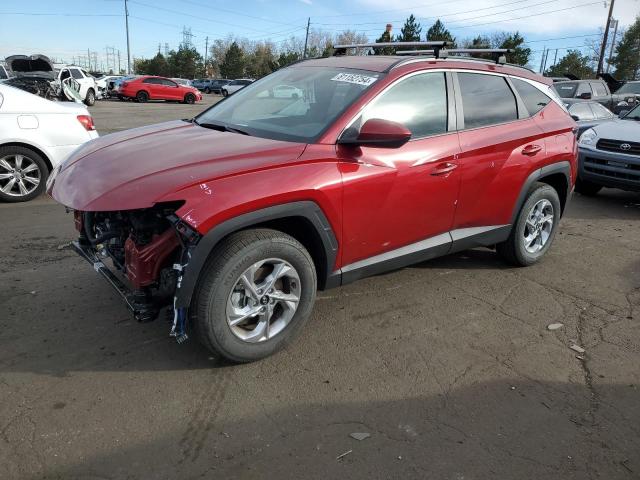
(67, 29)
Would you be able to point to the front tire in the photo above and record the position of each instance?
(190, 98)
(225, 93)
(256, 293)
(587, 188)
(90, 99)
(535, 228)
(23, 174)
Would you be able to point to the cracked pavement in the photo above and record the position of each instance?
(447, 364)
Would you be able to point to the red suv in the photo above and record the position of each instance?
(157, 88)
(235, 218)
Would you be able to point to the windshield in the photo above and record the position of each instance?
(633, 114)
(314, 98)
(630, 88)
(566, 90)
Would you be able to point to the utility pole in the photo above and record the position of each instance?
(555, 57)
(546, 57)
(613, 42)
(542, 61)
(604, 40)
(118, 63)
(126, 21)
(306, 39)
(206, 49)
(88, 67)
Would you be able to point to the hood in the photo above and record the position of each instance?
(623, 130)
(137, 168)
(34, 65)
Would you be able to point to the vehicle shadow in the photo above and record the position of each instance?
(503, 429)
(609, 203)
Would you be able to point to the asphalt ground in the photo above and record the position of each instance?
(448, 365)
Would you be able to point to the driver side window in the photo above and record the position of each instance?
(418, 102)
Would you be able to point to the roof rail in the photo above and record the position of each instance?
(498, 54)
(435, 46)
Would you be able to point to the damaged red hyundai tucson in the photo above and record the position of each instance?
(232, 220)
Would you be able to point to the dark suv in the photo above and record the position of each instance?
(597, 90)
(235, 218)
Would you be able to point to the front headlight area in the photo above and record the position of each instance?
(589, 138)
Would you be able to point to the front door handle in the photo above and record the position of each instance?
(531, 149)
(444, 168)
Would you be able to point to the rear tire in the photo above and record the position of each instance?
(26, 167)
(530, 238)
(90, 99)
(586, 188)
(142, 96)
(220, 290)
(225, 93)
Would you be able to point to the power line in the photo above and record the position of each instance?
(220, 9)
(38, 14)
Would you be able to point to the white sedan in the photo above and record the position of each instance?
(36, 135)
(235, 85)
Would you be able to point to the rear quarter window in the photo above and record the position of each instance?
(534, 100)
(486, 100)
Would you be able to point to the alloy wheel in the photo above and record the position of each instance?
(19, 175)
(538, 226)
(264, 300)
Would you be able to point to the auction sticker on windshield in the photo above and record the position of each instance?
(354, 78)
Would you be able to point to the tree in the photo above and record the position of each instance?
(411, 30)
(514, 41)
(157, 65)
(261, 61)
(627, 56)
(186, 62)
(573, 62)
(349, 37)
(385, 38)
(438, 32)
(233, 64)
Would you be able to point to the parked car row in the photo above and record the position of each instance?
(221, 86)
(575, 91)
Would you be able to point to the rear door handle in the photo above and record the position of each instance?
(531, 149)
(444, 168)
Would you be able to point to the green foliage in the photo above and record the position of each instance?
(438, 32)
(627, 54)
(384, 38)
(185, 63)
(411, 30)
(287, 58)
(573, 62)
(233, 64)
(157, 65)
(514, 41)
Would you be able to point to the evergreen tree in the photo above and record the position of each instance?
(411, 30)
(514, 41)
(233, 64)
(573, 62)
(438, 32)
(384, 38)
(627, 56)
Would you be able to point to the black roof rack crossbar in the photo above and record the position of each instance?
(498, 54)
(340, 50)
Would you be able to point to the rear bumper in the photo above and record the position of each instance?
(609, 169)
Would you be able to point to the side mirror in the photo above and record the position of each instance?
(576, 118)
(377, 132)
(585, 96)
(622, 113)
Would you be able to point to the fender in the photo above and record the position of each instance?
(560, 167)
(306, 209)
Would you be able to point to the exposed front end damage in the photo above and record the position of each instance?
(142, 254)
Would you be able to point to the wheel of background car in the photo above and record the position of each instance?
(121, 98)
(23, 174)
(142, 96)
(224, 93)
(587, 188)
(207, 90)
(534, 230)
(256, 292)
(90, 99)
(190, 98)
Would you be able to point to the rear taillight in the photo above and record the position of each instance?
(87, 122)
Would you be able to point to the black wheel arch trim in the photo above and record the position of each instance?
(308, 210)
(563, 167)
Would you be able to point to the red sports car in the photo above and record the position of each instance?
(157, 88)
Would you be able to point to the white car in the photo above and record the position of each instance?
(287, 91)
(102, 84)
(235, 85)
(36, 135)
(23, 65)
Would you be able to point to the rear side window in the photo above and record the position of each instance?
(486, 100)
(153, 81)
(583, 88)
(167, 83)
(599, 90)
(418, 102)
(582, 111)
(532, 98)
